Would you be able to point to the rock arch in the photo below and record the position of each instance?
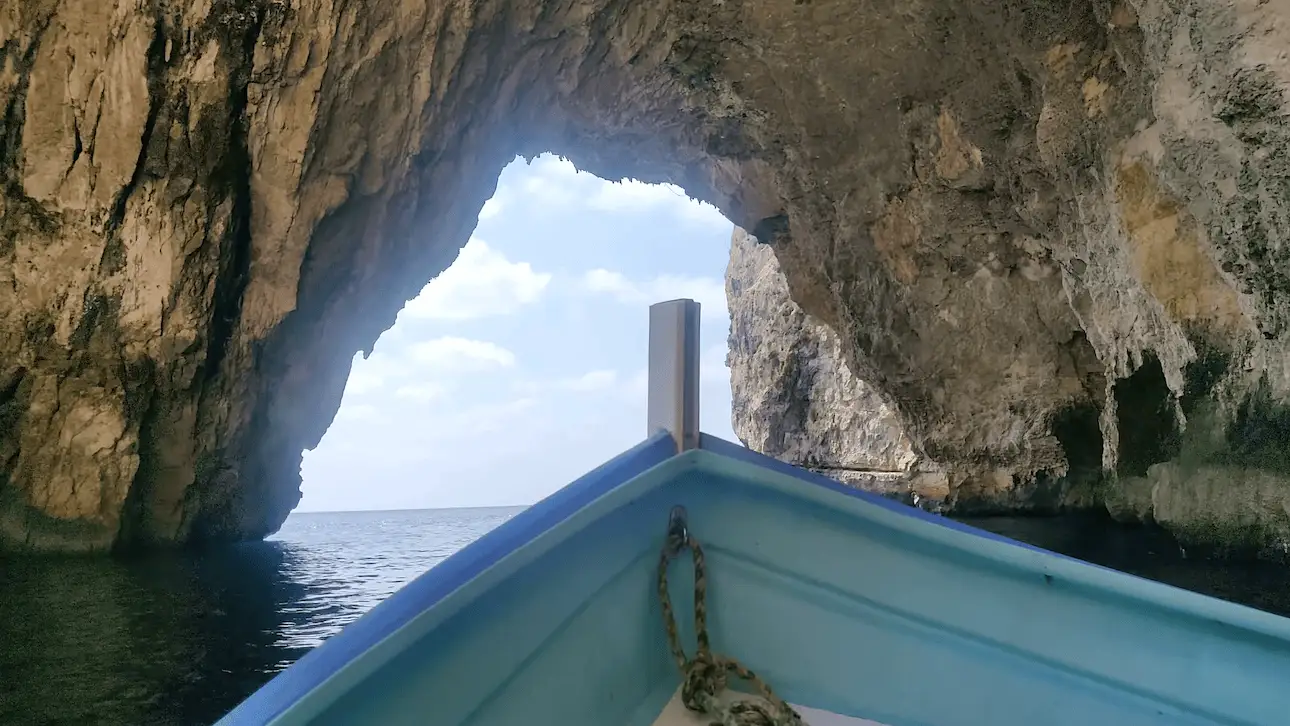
(1000, 209)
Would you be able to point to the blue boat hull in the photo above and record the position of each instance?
(843, 601)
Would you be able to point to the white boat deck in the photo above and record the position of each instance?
(676, 714)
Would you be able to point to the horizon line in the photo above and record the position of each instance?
(406, 509)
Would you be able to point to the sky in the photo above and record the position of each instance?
(522, 366)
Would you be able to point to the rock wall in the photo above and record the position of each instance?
(1050, 235)
(794, 396)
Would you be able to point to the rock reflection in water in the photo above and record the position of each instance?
(179, 638)
(1152, 553)
(169, 639)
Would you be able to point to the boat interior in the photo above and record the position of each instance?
(856, 608)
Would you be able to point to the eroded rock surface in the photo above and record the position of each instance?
(1050, 235)
(794, 395)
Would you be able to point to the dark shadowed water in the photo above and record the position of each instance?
(178, 639)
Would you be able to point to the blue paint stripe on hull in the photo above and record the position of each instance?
(418, 596)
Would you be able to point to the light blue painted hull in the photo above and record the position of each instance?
(843, 601)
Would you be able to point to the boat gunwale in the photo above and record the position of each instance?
(440, 582)
(1013, 554)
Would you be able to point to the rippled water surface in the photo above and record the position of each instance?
(182, 638)
(178, 639)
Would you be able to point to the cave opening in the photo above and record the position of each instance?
(1077, 429)
(522, 365)
(1148, 424)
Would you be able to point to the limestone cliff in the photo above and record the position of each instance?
(794, 396)
(1050, 235)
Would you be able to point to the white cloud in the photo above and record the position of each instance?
(592, 381)
(357, 412)
(475, 421)
(712, 371)
(371, 374)
(553, 181)
(481, 282)
(589, 382)
(614, 283)
(460, 354)
(630, 195)
(422, 392)
(363, 380)
(491, 208)
(708, 291)
(393, 436)
(557, 181)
